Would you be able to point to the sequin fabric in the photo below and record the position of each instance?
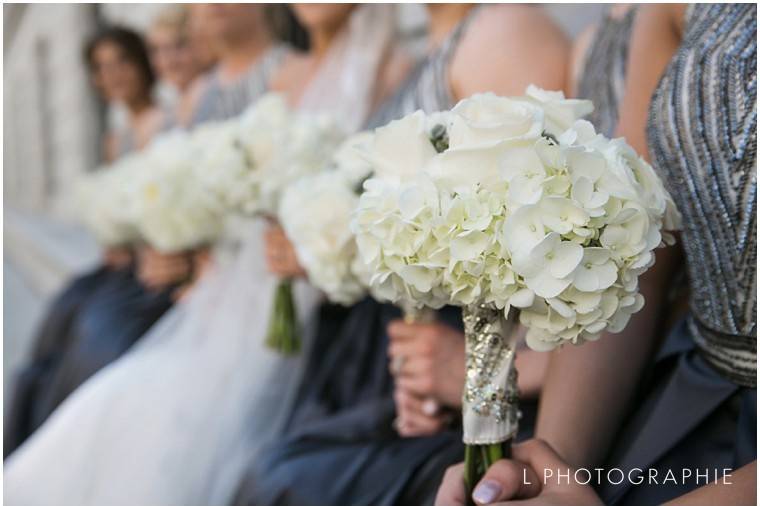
(602, 77)
(221, 101)
(702, 137)
(491, 382)
(427, 87)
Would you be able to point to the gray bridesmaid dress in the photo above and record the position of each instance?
(220, 101)
(602, 77)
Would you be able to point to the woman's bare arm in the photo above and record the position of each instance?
(588, 389)
(508, 47)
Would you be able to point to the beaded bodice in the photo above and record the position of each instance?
(427, 87)
(220, 101)
(702, 137)
(602, 78)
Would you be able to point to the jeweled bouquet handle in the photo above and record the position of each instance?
(490, 412)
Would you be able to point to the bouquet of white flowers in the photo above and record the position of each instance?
(315, 213)
(104, 203)
(248, 162)
(514, 202)
(173, 210)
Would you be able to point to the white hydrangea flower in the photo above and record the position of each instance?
(547, 266)
(315, 213)
(105, 204)
(524, 206)
(247, 162)
(173, 210)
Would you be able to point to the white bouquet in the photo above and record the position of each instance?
(247, 162)
(105, 205)
(514, 202)
(315, 213)
(173, 210)
(517, 212)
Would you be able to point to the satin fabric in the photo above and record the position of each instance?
(688, 416)
(339, 446)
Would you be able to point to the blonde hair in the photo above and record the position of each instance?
(175, 17)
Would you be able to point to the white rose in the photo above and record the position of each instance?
(401, 148)
(351, 158)
(463, 168)
(559, 112)
(485, 119)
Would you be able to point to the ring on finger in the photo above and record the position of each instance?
(430, 406)
(397, 364)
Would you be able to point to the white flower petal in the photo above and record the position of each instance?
(566, 257)
(469, 246)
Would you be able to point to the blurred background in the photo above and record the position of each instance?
(53, 128)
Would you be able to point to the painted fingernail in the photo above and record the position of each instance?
(486, 491)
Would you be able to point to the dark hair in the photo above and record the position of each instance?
(285, 27)
(131, 43)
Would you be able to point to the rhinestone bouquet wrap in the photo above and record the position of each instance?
(489, 402)
(490, 413)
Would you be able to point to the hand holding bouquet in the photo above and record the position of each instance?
(511, 203)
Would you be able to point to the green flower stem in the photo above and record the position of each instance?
(283, 334)
(477, 460)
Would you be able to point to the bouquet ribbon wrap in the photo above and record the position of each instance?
(490, 399)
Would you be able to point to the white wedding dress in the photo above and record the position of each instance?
(175, 421)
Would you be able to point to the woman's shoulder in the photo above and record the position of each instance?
(507, 47)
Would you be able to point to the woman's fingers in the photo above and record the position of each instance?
(538, 455)
(507, 479)
(412, 420)
(157, 272)
(280, 255)
(418, 385)
(452, 492)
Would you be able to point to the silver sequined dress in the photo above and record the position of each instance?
(221, 101)
(698, 404)
(602, 78)
(427, 87)
(702, 137)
